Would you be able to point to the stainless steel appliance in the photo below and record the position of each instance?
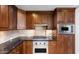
(40, 47)
(66, 28)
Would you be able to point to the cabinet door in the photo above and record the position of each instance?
(27, 47)
(66, 44)
(60, 16)
(69, 16)
(66, 15)
(37, 18)
(8, 17)
(4, 22)
(60, 44)
(52, 47)
(50, 21)
(69, 44)
(55, 20)
(29, 21)
(13, 51)
(19, 49)
(12, 17)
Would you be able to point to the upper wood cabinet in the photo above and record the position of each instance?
(39, 17)
(12, 17)
(4, 22)
(21, 19)
(70, 16)
(66, 15)
(7, 17)
(55, 19)
(29, 21)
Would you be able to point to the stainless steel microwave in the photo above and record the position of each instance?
(66, 28)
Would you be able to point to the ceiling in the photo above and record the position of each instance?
(43, 7)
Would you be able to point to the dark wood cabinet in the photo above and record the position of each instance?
(60, 17)
(29, 21)
(13, 51)
(66, 44)
(27, 47)
(12, 17)
(70, 16)
(65, 15)
(4, 22)
(60, 44)
(69, 44)
(17, 50)
(52, 47)
(39, 17)
(55, 19)
(7, 17)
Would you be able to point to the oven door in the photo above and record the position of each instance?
(40, 50)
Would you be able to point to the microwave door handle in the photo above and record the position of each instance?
(71, 28)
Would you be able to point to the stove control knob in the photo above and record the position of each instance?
(44, 43)
(36, 43)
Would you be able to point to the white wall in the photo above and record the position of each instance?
(77, 31)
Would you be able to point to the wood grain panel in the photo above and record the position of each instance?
(12, 17)
(69, 44)
(66, 44)
(17, 50)
(8, 17)
(66, 15)
(29, 21)
(27, 47)
(60, 44)
(52, 47)
(4, 22)
(39, 17)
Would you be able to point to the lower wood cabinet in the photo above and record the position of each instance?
(66, 44)
(17, 50)
(24, 48)
(51, 47)
(27, 47)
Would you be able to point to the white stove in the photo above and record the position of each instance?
(40, 47)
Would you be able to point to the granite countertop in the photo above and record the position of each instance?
(9, 45)
(37, 38)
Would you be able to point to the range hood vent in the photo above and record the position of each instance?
(40, 29)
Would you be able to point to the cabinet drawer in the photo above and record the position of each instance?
(27, 42)
(51, 43)
(52, 49)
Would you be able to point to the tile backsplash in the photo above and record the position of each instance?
(9, 35)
